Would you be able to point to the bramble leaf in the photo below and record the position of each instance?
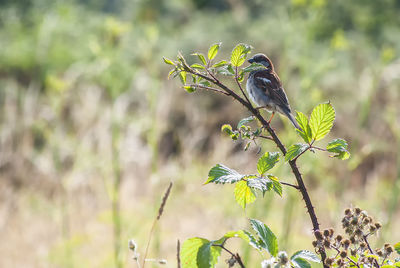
(268, 240)
(267, 161)
(212, 52)
(295, 150)
(239, 54)
(253, 67)
(276, 185)
(338, 146)
(207, 255)
(300, 263)
(246, 120)
(189, 251)
(307, 255)
(244, 194)
(305, 131)
(321, 120)
(222, 174)
(262, 184)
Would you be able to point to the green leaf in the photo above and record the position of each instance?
(253, 67)
(253, 241)
(321, 120)
(268, 240)
(189, 251)
(205, 83)
(189, 89)
(262, 184)
(244, 194)
(227, 128)
(338, 146)
(182, 76)
(305, 131)
(307, 255)
(226, 70)
(246, 120)
(222, 174)
(197, 66)
(300, 263)
(239, 54)
(212, 52)
(207, 255)
(173, 73)
(220, 64)
(397, 247)
(168, 61)
(201, 58)
(276, 185)
(267, 161)
(295, 150)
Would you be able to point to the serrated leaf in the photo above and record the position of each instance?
(212, 52)
(268, 240)
(276, 185)
(252, 241)
(226, 70)
(197, 66)
(220, 64)
(267, 161)
(168, 61)
(295, 150)
(397, 247)
(189, 251)
(222, 174)
(239, 54)
(262, 184)
(300, 263)
(246, 120)
(307, 255)
(321, 120)
(201, 58)
(305, 131)
(244, 195)
(338, 146)
(253, 67)
(207, 255)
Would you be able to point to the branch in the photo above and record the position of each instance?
(235, 256)
(370, 249)
(209, 88)
(291, 185)
(277, 141)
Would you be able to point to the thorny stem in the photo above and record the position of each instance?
(370, 249)
(301, 186)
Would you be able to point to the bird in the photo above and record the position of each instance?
(266, 91)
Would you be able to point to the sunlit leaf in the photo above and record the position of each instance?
(189, 89)
(212, 52)
(244, 194)
(207, 255)
(321, 120)
(268, 240)
(197, 66)
(397, 247)
(276, 185)
(305, 131)
(182, 76)
(201, 58)
(222, 174)
(262, 184)
(168, 61)
(220, 64)
(267, 161)
(189, 251)
(295, 150)
(239, 54)
(338, 146)
(300, 263)
(226, 70)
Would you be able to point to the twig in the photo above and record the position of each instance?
(209, 88)
(235, 256)
(370, 249)
(178, 253)
(319, 148)
(266, 137)
(240, 86)
(291, 185)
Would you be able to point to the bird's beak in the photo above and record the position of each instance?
(251, 60)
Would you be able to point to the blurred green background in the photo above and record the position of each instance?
(92, 132)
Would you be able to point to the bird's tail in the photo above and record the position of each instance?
(293, 120)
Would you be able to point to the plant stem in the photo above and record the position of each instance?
(301, 186)
(235, 256)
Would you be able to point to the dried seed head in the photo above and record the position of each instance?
(354, 220)
(327, 244)
(326, 233)
(378, 225)
(347, 212)
(343, 254)
(346, 243)
(283, 257)
(353, 252)
(353, 239)
(331, 232)
(132, 245)
(379, 252)
(315, 243)
(358, 232)
(329, 261)
(339, 238)
(372, 228)
(357, 211)
(318, 235)
(363, 245)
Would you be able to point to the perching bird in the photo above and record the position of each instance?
(266, 91)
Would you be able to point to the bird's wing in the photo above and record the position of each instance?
(272, 86)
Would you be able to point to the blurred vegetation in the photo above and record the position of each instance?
(88, 119)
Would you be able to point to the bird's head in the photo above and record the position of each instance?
(262, 59)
